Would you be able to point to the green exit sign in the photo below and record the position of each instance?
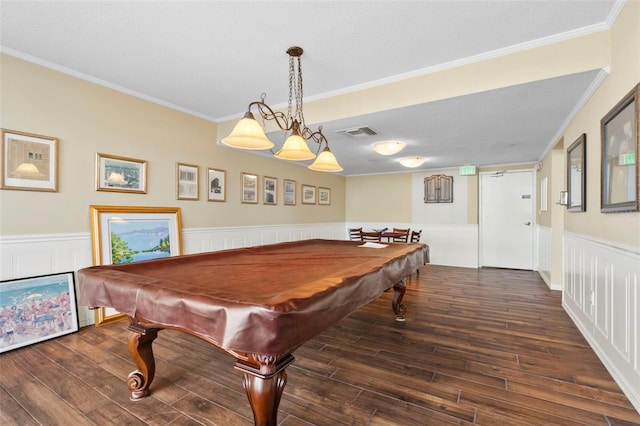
(627, 159)
(467, 170)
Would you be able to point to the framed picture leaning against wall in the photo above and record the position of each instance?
(123, 234)
(36, 309)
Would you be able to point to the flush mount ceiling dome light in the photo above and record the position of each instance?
(412, 162)
(388, 147)
(248, 134)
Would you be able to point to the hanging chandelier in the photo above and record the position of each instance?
(249, 134)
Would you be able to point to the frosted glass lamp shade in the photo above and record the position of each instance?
(326, 162)
(295, 148)
(412, 161)
(248, 134)
(388, 148)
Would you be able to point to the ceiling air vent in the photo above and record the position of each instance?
(358, 132)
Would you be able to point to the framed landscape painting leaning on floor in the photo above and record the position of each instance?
(123, 234)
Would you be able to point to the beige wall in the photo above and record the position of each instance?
(88, 118)
(553, 168)
(363, 200)
(619, 48)
(473, 206)
(553, 60)
(388, 198)
(623, 228)
(548, 168)
(380, 198)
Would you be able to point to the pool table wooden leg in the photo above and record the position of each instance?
(264, 384)
(139, 343)
(399, 289)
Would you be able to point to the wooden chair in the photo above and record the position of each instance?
(415, 238)
(371, 236)
(355, 234)
(402, 239)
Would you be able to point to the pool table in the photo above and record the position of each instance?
(258, 304)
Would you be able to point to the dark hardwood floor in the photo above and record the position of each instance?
(485, 347)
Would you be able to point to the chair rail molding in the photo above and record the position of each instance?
(31, 255)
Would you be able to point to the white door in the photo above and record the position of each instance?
(506, 219)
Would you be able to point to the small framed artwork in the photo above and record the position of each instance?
(29, 161)
(308, 194)
(130, 234)
(216, 184)
(249, 188)
(438, 189)
(187, 181)
(324, 196)
(577, 175)
(543, 194)
(289, 192)
(619, 178)
(120, 174)
(37, 309)
(270, 186)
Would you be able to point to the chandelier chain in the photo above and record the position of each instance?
(299, 110)
(295, 90)
(291, 82)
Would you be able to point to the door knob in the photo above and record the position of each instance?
(528, 223)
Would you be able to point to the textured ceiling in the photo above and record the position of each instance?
(211, 58)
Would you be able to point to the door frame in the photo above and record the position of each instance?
(534, 223)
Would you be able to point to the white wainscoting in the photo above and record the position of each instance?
(449, 244)
(31, 255)
(199, 240)
(602, 296)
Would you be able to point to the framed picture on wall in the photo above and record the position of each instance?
(577, 175)
(187, 181)
(129, 234)
(289, 192)
(249, 188)
(308, 194)
(37, 309)
(619, 161)
(217, 184)
(270, 191)
(120, 174)
(324, 196)
(438, 189)
(543, 194)
(29, 161)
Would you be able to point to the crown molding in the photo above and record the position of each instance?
(597, 81)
